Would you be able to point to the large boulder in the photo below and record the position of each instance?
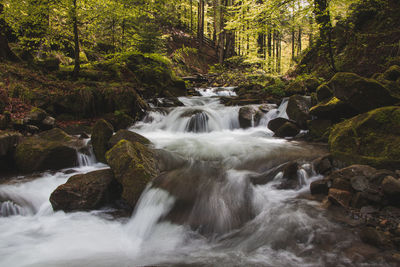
(119, 120)
(277, 123)
(319, 129)
(392, 73)
(39, 118)
(298, 109)
(246, 116)
(391, 188)
(8, 143)
(333, 109)
(101, 134)
(288, 129)
(51, 150)
(134, 166)
(371, 138)
(129, 136)
(324, 92)
(361, 93)
(86, 191)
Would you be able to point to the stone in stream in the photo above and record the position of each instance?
(86, 191)
(333, 109)
(51, 150)
(246, 116)
(277, 123)
(101, 134)
(324, 92)
(298, 110)
(134, 166)
(288, 129)
(198, 123)
(8, 142)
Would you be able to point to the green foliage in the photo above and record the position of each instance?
(277, 88)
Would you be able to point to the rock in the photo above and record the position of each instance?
(290, 177)
(341, 184)
(371, 138)
(332, 109)
(320, 187)
(288, 129)
(373, 237)
(359, 183)
(298, 109)
(119, 120)
(353, 171)
(129, 136)
(198, 123)
(48, 123)
(323, 165)
(5, 120)
(86, 191)
(101, 134)
(296, 88)
(39, 118)
(319, 129)
(277, 123)
(391, 188)
(134, 166)
(52, 150)
(340, 197)
(392, 74)
(50, 64)
(312, 84)
(167, 102)
(32, 129)
(8, 143)
(246, 116)
(362, 94)
(324, 92)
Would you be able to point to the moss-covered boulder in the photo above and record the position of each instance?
(119, 120)
(296, 88)
(129, 136)
(134, 166)
(8, 141)
(319, 129)
(246, 116)
(324, 92)
(371, 138)
(86, 191)
(52, 150)
(333, 109)
(392, 73)
(298, 109)
(361, 93)
(101, 134)
(288, 129)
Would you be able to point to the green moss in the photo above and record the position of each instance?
(372, 137)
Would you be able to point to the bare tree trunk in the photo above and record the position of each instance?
(299, 45)
(77, 66)
(200, 22)
(269, 48)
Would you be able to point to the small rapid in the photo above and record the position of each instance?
(225, 201)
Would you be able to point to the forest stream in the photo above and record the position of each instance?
(216, 205)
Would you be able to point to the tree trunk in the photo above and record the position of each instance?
(299, 45)
(323, 20)
(200, 22)
(5, 51)
(77, 66)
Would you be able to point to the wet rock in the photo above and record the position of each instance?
(320, 187)
(324, 93)
(277, 123)
(323, 165)
(312, 84)
(101, 134)
(339, 197)
(167, 102)
(391, 188)
(51, 150)
(359, 183)
(246, 116)
(8, 142)
(86, 192)
(342, 184)
(371, 138)
(373, 237)
(288, 129)
(129, 136)
(290, 177)
(362, 94)
(298, 109)
(32, 129)
(198, 123)
(134, 166)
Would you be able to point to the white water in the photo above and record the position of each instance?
(284, 230)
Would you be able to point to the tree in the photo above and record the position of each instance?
(5, 51)
(74, 17)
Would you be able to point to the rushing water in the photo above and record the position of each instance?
(228, 221)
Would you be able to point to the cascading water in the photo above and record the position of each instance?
(206, 210)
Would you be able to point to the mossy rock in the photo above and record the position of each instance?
(296, 88)
(119, 120)
(129, 136)
(392, 73)
(288, 129)
(101, 134)
(134, 166)
(86, 191)
(38, 154)
(319, 129)
(298, 109)
(360, 93)
(333, 109)
(56, 135)
(371, 138)
(324, 92)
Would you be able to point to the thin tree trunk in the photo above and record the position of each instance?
(299, 44)
(77, 66)
(269, 47)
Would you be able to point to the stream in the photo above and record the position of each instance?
(229, 221)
